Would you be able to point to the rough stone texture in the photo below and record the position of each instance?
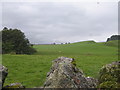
(3, 75)
(64, 74)
(15, 85)
(109, 76)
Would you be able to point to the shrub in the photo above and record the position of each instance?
(13, 40)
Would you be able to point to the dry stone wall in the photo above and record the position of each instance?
(64, 74)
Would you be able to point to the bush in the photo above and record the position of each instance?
(13, 40)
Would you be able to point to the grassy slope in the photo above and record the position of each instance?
(113, 43)
(31, 69)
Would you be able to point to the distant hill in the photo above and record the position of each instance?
(114, 37)
(114, 43)
(85, 42)
(91, 41)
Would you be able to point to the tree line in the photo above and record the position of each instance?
(14, 41)
(113, 37)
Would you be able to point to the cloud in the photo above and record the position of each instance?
(49, 22)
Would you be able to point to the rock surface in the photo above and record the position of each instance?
(109, 76)
(3, 75)
(65, 74)
(15, 85)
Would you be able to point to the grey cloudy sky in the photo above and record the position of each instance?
(49, 22)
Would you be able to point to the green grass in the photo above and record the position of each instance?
(113, 43)
(31, 70)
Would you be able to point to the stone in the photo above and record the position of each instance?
(15, 85)
(3, 75)
(65, 74)
(92, 82)
(109, 75)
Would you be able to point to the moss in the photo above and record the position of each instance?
(109, 76)
(109, 84)
(15, 85)
(74, 62)
(106, 77)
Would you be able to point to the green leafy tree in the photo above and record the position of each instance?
(113, 37)
(13, 40)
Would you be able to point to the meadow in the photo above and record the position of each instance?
(31, 70)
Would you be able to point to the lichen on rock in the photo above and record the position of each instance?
(109, 76)
(3, 75)
(65, 74)
(15, 85)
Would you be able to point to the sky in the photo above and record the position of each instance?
(59, 22)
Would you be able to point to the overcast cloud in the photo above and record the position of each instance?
(60, 22)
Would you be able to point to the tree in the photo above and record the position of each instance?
(13, 40)
(113, 37)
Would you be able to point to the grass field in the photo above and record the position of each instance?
(31, 70)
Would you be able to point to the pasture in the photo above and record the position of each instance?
(31, 70)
